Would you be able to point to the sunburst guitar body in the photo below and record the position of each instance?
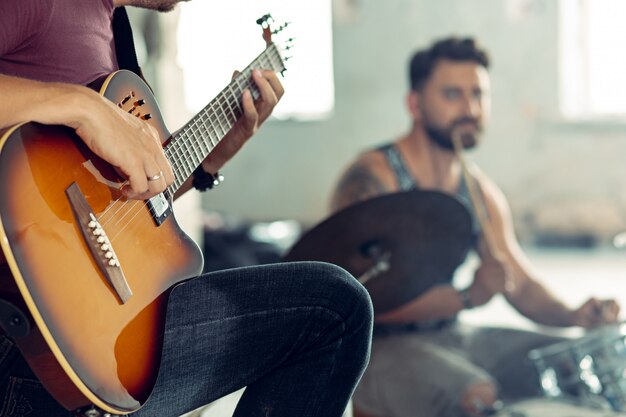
(84, 273)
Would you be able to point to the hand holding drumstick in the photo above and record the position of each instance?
(595, 312)
(492, 265)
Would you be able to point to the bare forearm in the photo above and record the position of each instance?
(131, 145)
(50, 103)
(537, 303)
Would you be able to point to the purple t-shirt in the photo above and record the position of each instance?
(57, 40)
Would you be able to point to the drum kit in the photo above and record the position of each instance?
(590, 370)
(400, 245)
(580, 378)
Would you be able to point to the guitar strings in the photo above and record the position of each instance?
(185, 140)
(172, 152)
(228, 116)
(230, 100)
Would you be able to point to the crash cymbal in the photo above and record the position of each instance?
(398, 245)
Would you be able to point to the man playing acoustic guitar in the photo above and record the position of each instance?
(88, 175)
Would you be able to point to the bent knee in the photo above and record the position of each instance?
(341, 287)
(478, 397)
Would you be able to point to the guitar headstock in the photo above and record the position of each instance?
(273, 35)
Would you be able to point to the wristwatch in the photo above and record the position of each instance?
(203, 180)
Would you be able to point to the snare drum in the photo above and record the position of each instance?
(546, 407)
(591, 368)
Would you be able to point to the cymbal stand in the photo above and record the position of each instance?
(372, 250)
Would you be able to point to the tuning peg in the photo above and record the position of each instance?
(280, 28)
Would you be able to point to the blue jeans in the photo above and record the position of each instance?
(297, 335)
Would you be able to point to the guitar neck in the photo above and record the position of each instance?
(188, 147)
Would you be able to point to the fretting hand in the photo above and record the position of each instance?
(134, 147)
(254, 114)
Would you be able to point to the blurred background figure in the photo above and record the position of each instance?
(425, 362)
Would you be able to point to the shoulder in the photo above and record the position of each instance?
(495, 199)
(366, 177)
(372, 160)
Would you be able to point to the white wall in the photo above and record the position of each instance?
(554, 173)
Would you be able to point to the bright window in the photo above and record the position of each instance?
(216, 38)
(592, 58)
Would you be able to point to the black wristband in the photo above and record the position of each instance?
(203, 181)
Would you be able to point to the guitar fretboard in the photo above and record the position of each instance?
(188, 147)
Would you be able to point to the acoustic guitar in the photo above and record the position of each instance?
(85, 274)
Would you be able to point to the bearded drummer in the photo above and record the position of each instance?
(424, 362)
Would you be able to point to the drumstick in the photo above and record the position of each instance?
(479, 206)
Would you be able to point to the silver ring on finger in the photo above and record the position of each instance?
(155, 177)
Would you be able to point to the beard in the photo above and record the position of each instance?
(442, 137)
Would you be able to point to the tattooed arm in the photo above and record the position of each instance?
(371, 176)
(366, 178)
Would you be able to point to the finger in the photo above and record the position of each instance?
(158, 173)
(139, 192)
(251, 115)
(610, 311)
(616, 309)
(268, 95)
(130, 194)
(147, 181)
(274, 82)
(150, 192)
(598, 312)
(590, 304)
(163, 167)
(137, 183)
(156, 183)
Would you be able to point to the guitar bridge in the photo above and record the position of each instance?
(98, 242)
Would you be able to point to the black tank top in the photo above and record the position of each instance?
(406, 182)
